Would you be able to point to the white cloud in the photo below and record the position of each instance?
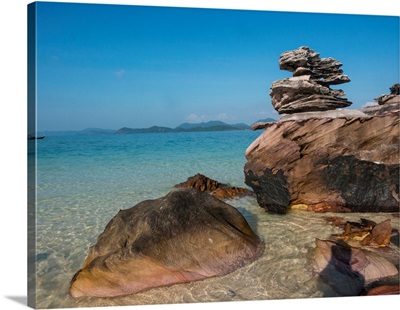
(192, 117)
(225, 117)
(195, 118)
(268, 114)
(369, 104)
(119, 73)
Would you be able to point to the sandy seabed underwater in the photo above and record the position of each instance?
(83, 181)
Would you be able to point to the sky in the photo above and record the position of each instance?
(114, 66)
(14, 114)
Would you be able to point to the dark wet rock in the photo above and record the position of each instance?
(338, 164)
(272, 189)
(364, 186)
(308, 89)
(348, 269)
(213, 187)
(187, 235)
(395, 89)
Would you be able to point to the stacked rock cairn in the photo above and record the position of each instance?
(308, 89)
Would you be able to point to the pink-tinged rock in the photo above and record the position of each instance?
(348, 269)
(342, 163)
(187, 235)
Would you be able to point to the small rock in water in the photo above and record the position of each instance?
(368, 233)
(215, 188)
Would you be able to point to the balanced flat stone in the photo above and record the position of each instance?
(308, 89)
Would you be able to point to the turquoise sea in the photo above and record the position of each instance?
(83, 181)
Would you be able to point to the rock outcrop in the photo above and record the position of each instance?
(308, 89)
(315, 159)
(392, 98)
(187, 235)
(213, 187)
(327, 164)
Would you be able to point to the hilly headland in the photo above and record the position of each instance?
(184, 127)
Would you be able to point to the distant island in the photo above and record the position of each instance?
(185, 127)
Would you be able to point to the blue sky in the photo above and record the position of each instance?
(113, 66)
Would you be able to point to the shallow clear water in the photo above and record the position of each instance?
(83, 181)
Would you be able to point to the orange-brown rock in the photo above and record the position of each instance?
(368, 233)
(231, 192)
(187, 235)
(379, 235)
(383, 290)
(213, 187)
(337, 163)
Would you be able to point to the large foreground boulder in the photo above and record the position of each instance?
(187, 235)
(327, 162)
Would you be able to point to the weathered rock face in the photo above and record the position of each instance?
(213, 187)
(392, 98)
(388, 99)
(327, 164)
(185, 236)
(308, 89)
(382, 109)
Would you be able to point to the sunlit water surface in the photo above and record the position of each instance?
(83, 181)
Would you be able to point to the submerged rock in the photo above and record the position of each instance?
(187, 235)
(339, 163)
(348, 269)
(213, 187)
(308, 89)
